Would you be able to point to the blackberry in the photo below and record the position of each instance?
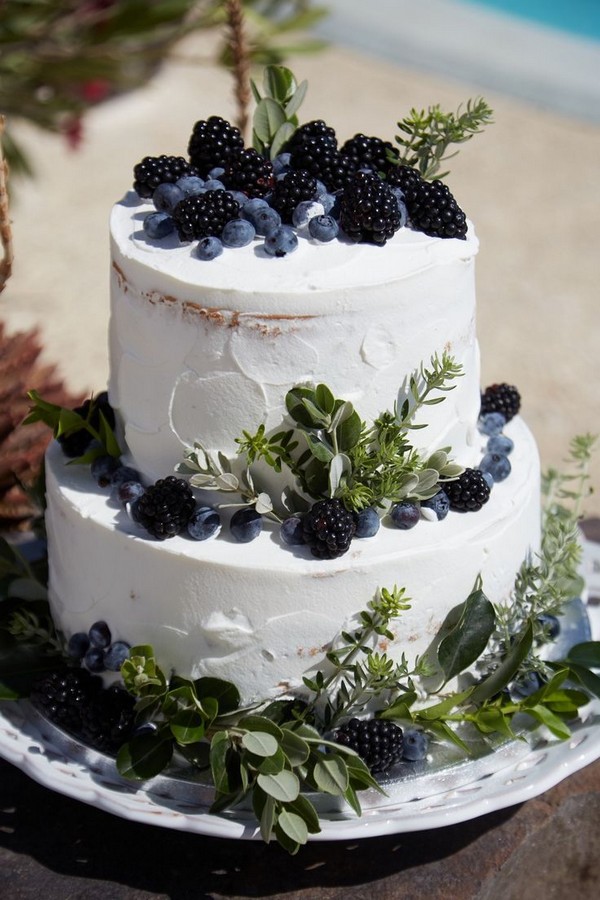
(501, 398)
(107, 720)
(204, 215)
(76, 443)
(435, 212)
(369, 210)
(407, 179)
(212, 143)
(155, 170)
(328, 529)
(249, 172)
(62, 696)
(291, 190)
(368, 152)
(378, 743)
(313, 148)
(166, 507)
(469, 492)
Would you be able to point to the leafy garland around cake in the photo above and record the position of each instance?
(277, 754)
(295, 183)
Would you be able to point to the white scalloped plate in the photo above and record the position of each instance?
(419, 797)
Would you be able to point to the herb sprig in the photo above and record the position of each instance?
(64, 422)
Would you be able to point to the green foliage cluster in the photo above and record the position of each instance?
(426, 135)
(275, 117)
(64, 422)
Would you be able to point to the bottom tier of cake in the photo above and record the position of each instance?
(261, 614)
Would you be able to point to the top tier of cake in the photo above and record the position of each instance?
(200, 350)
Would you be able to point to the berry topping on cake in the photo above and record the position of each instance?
(369, 152)
(166, 507)
(292, 531)
(378, 743)
(323, 228)
(501, 398)
(249, 172)
(155, 170)
(469, 492)
(204, 523)
(158, 225)
(328, 529)
(213, 142)
(435, 212)
(280, 241)
(291, 190)
(77, 442)
(405, 515)
(367, 523)
(369, 210)
(204, 215)
(497, 465)
(313, 147)
(209, 248)
(246, 525)
(437, 507)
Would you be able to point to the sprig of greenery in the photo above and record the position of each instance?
(427, 134)
(275, 117)
(65, 421)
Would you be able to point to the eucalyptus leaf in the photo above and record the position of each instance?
(268, 118)
(293, 825)
(279, 82)
(296, 749)
(284, 786)
(260, 743)
(271, 765)
(304, 808)
(144, 756)
(331, 775)
(340, 466)
(324, 399)
(467, 640)
(588, 679)
(297, 99)
(225, 693)
(261, 723)
(187, 726)
(585, 654)
(507, 669)
(349, 431)
(280, 138)
(267, 819)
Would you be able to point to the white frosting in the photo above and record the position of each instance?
(260, 614)
(202, 350)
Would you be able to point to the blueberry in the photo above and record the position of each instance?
(94, 660)
(497, 465)
(488, 479)
(78, 646)
(213, 184)
(158, 225)
(132, 510)
(216, 172)
(399, 195)
(320, 190)
(291, 531)
(550, 624)
(323, 228)
(238, 233)
(305, 211)
(116, 655)
(166, 197)
(328, 202)
(205, 522)
(209, 248)
(499, 443)
(405, 515)
(281, 163)
(415, 744)
(129, 491)
(281, 241)
(438, 504)
(122, 474)
(367, 523)
(246, 525)
(526, 685)
(265, 220)
(191, 185)
(250, 208)
(491, 423)
(239, 197)
(102, 469)
(100, 636)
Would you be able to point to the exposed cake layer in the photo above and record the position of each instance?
(260, 614)
(202, 350)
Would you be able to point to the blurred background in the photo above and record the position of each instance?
(89, 88)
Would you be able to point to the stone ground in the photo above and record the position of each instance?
(530, 183)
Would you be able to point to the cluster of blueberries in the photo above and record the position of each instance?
(96, 650)
(315, 219)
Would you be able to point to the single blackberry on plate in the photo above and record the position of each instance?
(469, 492)
(204, 215)
(249, 172)
(435, 212)
(165, 508)
(107, 720)
(294, 188)
(378, 743)
(155, 170)
(212, 143)
(61, 696)
(313, 148)
(368, 152)
(501, 398)
(76, 443)
(328, 529)
(369, 211)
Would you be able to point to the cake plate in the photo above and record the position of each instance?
(419, 797)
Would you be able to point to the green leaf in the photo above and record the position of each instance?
(267, 819)
(304, 808)
(293, 826)
(349, 432)
(491, 719)
(144, 756)
(187, 726)
(284, 786)
(268, 117)
(507, 669)
(400, 708)
(547, 718)
(320, 452)
(260, 743)
(440, 710)
(280, 138)
(296, 750)
(219, 750)
(331, 774)
(279, 83)
(197, 755)
(586, 654)
(270, 765)
(261, 723)
(588, 679)
(324, 399)
(469, 637)
(293, 105)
